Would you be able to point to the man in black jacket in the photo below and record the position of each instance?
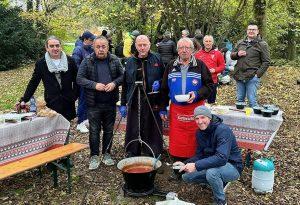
(58, 74)
(167, 49)
(143, 73)
(100, 74)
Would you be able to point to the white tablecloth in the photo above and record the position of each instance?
(29, 137)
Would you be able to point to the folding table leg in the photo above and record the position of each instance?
(248, 158)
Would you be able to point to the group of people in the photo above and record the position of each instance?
(198, 140)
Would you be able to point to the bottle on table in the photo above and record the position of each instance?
(32, 104)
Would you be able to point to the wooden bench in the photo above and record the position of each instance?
(50, 156)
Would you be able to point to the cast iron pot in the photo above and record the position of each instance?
(267, 112)
(275, 110)
(240, 105)
(176, 171)
(257, 109)
(139, 182)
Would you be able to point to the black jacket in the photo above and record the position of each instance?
(167, 50)
(87, 77)
(155, 71)
(62, 100)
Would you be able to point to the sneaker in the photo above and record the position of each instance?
(107, 160)
(94, 162)
(86, 122)
(82, 128)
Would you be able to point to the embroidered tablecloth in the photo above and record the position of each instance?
(29, 137)
(252, 132)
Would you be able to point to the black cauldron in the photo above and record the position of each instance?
(138, 173)
(267, 112)
(240, 105)
(257, 109)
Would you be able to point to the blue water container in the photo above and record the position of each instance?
(263, 175)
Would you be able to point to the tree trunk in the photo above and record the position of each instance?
(259, 7)
(37, 6)
(29, 4)
(291, 33)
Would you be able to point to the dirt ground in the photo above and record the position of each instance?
(103, 186)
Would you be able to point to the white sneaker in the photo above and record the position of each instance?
(107, 160)
(94, 162)
(86, 122)
(82, 128)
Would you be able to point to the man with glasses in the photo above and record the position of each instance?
(100, 74)
(58, 74)
(79, 53)
(189, 76)
(253, 59)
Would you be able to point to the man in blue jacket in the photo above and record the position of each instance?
(218, 159)
(79, 53)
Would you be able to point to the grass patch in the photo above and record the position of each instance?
(68, 49)
(13, 86)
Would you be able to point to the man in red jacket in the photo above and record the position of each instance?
(214, 60)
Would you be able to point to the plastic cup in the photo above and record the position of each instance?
(248, 111)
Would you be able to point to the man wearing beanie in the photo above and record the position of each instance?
(218, 159)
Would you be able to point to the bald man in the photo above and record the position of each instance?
(144, 72)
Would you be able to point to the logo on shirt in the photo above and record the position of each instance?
(195, 82)
(156, 65)
(173, 79)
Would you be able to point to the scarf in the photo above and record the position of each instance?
(62, 67)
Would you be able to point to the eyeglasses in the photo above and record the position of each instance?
(252, 29)
(103, 47)
(52, 46)
(184, 48)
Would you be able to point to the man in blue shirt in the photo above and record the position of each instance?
(218, 159)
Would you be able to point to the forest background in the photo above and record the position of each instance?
(24, 30)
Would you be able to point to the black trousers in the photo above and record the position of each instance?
(101, 116)
(149, 131)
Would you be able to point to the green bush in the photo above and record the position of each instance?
(19, 40)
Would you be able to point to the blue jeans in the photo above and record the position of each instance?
(215, 177)
(248, 87)
(82, 108)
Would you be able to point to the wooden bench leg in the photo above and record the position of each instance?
(55, 176)
(69, 174)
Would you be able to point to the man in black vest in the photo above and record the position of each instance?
(100, 74)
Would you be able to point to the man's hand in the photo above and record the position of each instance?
(212, 70)
(189, 167)
(109, 87)
(192, 97)
(163, 115)
(100, 87)
(242, 53)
